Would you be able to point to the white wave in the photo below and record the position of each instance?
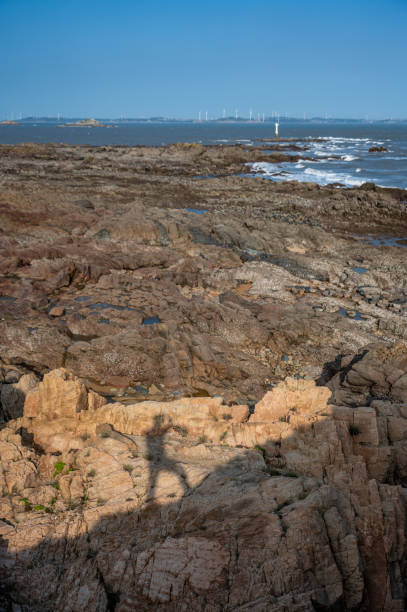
(264, 167)
(323, 153)
(358, 170)
(279, 173)
(322, 160)
(325, 178)
(349, 157)
(344, 139)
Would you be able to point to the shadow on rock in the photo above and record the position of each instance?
(287, 509)
(12, 395)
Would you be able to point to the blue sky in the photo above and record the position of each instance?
(142, 58)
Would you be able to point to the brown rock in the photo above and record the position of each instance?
(57, 311)
(196, 503)
(377, 149)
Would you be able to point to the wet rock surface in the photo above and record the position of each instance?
(228, 406)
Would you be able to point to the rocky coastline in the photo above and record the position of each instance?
(203, 384)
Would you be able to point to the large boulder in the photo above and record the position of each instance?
(60, 395)
(377, 372)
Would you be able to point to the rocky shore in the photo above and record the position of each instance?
(203, 384)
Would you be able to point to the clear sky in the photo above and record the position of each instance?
(136, 58)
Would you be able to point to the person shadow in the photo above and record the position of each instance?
(159, 459)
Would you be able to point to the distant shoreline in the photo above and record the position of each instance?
(195, 121)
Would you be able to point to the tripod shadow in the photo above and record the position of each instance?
(159, 460)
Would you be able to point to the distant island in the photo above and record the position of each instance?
(85, 123)
(8, 122)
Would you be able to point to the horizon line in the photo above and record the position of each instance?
(229, 119)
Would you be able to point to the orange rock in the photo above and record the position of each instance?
(291, 395)
(57, 311)
(60, 395)
(164, 509)
(31, 404)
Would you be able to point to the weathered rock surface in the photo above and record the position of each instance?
(132, 268)
(181, 456)
(296, 505)
(378, 372)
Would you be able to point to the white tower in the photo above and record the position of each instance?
(199, 116)
(277, 123)
(206, 116)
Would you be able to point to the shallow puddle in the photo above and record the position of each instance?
(360, 270)
(105, 305)
(197, 211)
(151, 321)
(381, 241)
(358, 316)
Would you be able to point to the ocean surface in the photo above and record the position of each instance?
(341, 152)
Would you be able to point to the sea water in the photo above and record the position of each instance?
(340, 150)
(345, 159)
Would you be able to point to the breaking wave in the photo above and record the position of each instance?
(281, 172)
